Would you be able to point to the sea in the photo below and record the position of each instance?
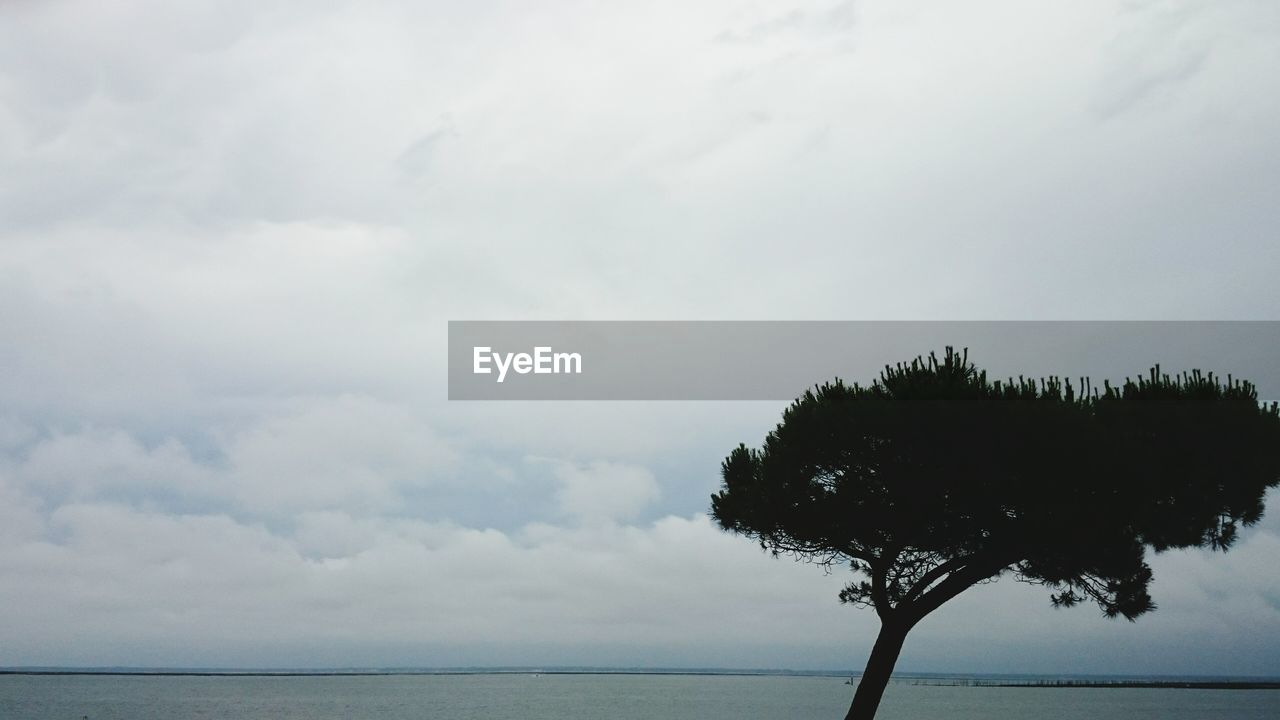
(538, 695)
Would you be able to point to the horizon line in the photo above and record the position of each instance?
(407, 670)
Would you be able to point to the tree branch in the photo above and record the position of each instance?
(956, 583)
(933, 575)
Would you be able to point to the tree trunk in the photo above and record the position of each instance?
(884, 655)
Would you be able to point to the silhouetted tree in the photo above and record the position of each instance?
(933, 479)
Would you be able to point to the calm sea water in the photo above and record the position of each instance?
(583, 697)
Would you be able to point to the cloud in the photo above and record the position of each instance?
(604, 490)
(422, 592)
(347, 453)
(94, 464)
(231, 236)
(93, 580)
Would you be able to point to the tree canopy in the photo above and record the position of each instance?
(935, 478)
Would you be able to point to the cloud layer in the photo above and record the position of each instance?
(230, 238)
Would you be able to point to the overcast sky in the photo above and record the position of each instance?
(232, 233)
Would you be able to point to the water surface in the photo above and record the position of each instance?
(583, 697)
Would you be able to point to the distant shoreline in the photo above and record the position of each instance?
(921, 679)
(1117, 684)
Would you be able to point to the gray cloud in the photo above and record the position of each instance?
(230, 238)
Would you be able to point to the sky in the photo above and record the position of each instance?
(232, 234)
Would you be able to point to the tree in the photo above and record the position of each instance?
(933, 479)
